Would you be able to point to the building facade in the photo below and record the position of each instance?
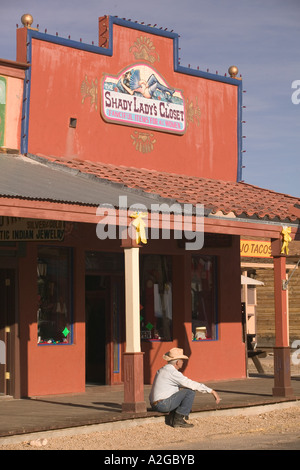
(122, 208)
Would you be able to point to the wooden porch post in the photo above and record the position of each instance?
(282, 369)
(133, 357)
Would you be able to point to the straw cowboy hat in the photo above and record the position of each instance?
(173, 354)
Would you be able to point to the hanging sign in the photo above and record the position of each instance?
(16, 229)
(139, 97)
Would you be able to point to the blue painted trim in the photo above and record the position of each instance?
(116, 302)
(26, 100)
(32, 34)
(67, 42)
(240, 133)
(25, 112)
(141, 27)
(216, 294)
(71, 294)
(71, 288)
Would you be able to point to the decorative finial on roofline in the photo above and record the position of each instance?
(27, 21)
(233, 71)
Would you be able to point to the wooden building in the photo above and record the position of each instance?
(257, 264)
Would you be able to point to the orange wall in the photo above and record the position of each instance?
(64, 81)
(48, 369)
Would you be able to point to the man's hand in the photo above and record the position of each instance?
(216, 397)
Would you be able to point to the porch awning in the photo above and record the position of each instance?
(220, 198)
(250, 281)
(26, 178)
(70, 189)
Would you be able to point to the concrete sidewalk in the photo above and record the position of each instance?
(103, 405)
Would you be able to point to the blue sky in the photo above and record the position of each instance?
(261, 37)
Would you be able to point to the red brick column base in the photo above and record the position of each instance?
(282, 373)
(134, 400)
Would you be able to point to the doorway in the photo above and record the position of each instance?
(104, 328)
(7, 331)
(96, 311)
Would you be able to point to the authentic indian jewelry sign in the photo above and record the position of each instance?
(14, 229)
(138, 96)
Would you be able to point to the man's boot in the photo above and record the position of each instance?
(171, 417)
(179, 422)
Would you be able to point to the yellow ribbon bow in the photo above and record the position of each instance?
(139, 225)
(286, 239)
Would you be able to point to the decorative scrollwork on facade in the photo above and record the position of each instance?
(90, 90)
(143, 141)
(193, 112)
(145, 50)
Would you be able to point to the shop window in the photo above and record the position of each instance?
(156, 297)
(203, 288)
(54, 295)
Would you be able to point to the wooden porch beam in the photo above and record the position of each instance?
(133, 358)
(282, 368)
(16, 207)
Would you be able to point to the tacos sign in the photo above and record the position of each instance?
(140, 97)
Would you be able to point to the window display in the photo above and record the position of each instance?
(54, 295)
(156, 297)
(203, 289)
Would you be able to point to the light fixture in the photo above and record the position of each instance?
(41, 268)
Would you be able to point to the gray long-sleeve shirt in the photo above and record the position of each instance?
(168, 380)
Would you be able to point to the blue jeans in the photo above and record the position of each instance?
(181, 401)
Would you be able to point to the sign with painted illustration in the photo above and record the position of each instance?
(140, 97)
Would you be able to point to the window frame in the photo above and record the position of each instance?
(70, 283)
(214, 298)
(169, 281)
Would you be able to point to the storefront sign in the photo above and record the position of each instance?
(256, 248)
(140, 97)
(15, 229)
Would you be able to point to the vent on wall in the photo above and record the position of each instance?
(73, 122)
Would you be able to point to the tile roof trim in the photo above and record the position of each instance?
(88, 169)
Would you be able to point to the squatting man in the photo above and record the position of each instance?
(173, 392)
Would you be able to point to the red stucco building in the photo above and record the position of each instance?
(96, 137)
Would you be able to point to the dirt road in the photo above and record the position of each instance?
(208, 431)
(154, 436)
